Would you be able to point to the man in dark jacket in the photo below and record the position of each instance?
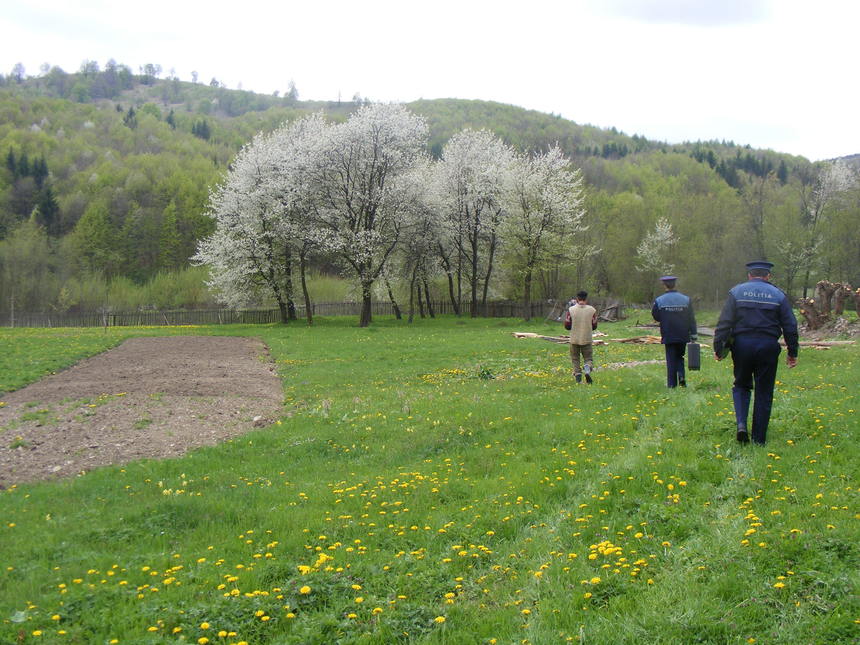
(674, 311)
(754, 316)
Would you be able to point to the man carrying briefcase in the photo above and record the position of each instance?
(674, 311)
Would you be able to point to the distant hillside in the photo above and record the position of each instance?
(116, 169)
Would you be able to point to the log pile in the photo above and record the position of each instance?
(562, 340)
(639, 340)
(829, 301)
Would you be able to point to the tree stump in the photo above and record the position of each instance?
(842, 293)
(824, 291)
(809, 309)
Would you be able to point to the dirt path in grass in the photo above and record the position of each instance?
(147, 398)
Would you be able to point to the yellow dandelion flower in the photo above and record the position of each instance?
(439, 619)
(305, 590)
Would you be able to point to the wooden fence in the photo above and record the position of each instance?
(151, 318)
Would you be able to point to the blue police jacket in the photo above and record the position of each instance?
(674, 311)
(757, 308)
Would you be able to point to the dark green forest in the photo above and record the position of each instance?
(106, 174)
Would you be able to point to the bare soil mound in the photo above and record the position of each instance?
(147, 398)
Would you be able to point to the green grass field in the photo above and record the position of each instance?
(445, 482)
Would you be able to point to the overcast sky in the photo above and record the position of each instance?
(779, 74)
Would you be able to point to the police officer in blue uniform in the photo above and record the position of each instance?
(674, 311)
(754, 316)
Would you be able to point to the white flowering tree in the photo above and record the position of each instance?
(361, 199)
(652, 254)
(417, 258)
(544, 196)
(261, 214)
(831, 182)
(471, 177)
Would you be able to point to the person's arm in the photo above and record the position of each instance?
(694, 330)
(655, 311)
(723, 332)
(789, 331)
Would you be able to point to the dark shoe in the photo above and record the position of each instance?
(588, 378)
(682, 383)
(578, 378)
(743, 436)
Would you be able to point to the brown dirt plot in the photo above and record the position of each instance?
(147, 398)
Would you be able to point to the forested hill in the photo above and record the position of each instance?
(115, 169)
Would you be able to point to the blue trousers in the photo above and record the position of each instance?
(675, 364)
(755, 360)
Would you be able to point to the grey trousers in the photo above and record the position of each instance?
(585, 352)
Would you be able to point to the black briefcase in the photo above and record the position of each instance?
(694, 356)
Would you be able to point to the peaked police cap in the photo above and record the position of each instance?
(759, 264)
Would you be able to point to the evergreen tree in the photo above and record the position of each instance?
(201, 129)
(40, 171)
(12, 163)
(48, 211)
(130, 118)
(782, 173)
(23, 165)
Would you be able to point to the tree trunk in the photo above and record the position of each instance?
(427, 298)
(366, 302)
(527, 293)
(303, 266)
(391, 298)
(282, 306)
(474, 279)
(412, 294)
(814, 318)
(824, 291)
(490, 255)
(843, 291)
(856, 295)
(420, 302)
(288, 283)
(446, 265)
(806, 282)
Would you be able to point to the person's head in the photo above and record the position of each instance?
(759, 269)
(581, 296)
(668, 282)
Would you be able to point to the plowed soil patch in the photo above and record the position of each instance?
(147, 398)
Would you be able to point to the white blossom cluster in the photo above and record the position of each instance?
(366, 193)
